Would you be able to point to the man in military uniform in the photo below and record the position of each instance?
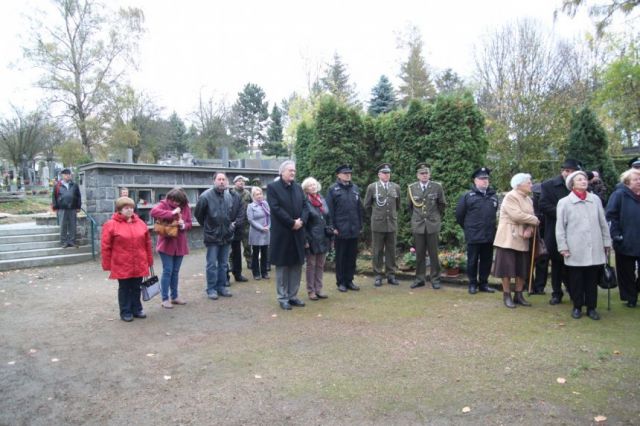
(426, 206)
(241, 234)
(345, 207)
(476, 214)
(382, 202)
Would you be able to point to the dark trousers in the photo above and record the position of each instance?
(129, 296)
(540, 273)
(628, 277)
(259, 260)
(583, 285)
(479, 259)
(67, 218)
(558, 274)
(427, 243)
(384, 252)
(346, 253)
(236, 258)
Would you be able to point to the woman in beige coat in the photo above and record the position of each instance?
(516, 226)
(583, 240)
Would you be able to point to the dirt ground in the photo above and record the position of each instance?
(380, 356)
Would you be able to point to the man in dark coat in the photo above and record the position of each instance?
(541, 269)
(476, 213)
(289, 213)
(241, 234)
(67, 202)
(345, 208)
(552, 191)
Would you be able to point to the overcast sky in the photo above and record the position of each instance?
(215, 48)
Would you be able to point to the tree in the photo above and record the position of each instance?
(71, 153)
(602, 12)
(383, 97)
(22, 138)
(211, 128)
(83, 55)
(336, 82)
(249, 117)
(274, 145)
(449, 83)
(177, 135)
(588, 142)
(414, 73)
(304, 139)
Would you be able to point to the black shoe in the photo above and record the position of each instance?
(296, 302)
(537, 292)
(286, 306)
(257, 277)
(224, 292)
(378, 281)
(555, 300)
(486, 289)
(391, 279)
(435, 285)
(631, 304)
(473, 289)
(322, 296)
(241, 279)
(140, 315)
(353, 287)
(507, 300)
(520, 300)
(126, 317)
(342, 288)
(576, 313)
(417, 283)
(593, 314)
(265, 276)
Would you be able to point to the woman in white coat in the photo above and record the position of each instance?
(584, 241)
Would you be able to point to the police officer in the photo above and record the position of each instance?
(345, 208)
(426, 206)
(382, 202)
(476, 213)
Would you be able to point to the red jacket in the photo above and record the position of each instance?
(177, 246)
(126, 247)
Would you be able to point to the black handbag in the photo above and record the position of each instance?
(608, 277)
(150, 286)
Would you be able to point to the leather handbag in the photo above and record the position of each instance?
(608, 277)
(165, 228)
(541, 247)
(150, 286)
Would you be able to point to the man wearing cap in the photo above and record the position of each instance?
(345, 207)
(634, 163)
(552, 191)
(66, 201)
(241, 234)
(382, 202)
(476, 214)
(426, 207)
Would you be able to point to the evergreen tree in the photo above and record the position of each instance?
(383, 97)
(449, 82)
(249, 117)
(336, 82)
(177, 134)
(414, 74)
(304, 139)
(274, 145)
(588, 142)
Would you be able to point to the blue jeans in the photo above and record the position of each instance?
(170, 272)
(216, 269)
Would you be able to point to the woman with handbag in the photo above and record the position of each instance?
(174, 213)
(623, 213)
(259, 218)
(516, 225)
(583, 241)
(318, 232)
(126, 253)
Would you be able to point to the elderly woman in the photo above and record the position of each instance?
(259, 217)
(583, 237)
(623, 213)
(318, 233)
(174, 207)
(516, 225)
(126, 253)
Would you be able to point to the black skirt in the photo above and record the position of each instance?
(510, 263)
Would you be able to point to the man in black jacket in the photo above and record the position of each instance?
(67, 202)
(552, 191)
(345, 208)
(476, 213)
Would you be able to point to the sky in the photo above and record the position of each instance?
(195, 48)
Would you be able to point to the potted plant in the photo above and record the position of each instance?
(452, 261)
(409, 260)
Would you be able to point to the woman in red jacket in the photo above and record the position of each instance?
(126, 252)
(175, 207)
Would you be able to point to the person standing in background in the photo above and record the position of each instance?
(67, 202)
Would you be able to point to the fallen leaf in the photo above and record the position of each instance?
(11, 362)
(274, 315)
(54, 360)
(167, 377)
(561, 380)
(616, 352)
(150, 355)
(257, 376)
(319, 315)
(258, 292)
(561, 324)
(167, 333)
(576, 393)
(111, 319)
(33, 351)
(455, 306)
(50, 398)
(466, 409)
(7, 303)
(600, 418)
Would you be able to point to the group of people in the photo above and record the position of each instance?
(294, 224)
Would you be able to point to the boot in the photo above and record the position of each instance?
(506, 297)
(520, 300)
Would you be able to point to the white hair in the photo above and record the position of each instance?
(310, 181)
(518, 179)
(286, 164)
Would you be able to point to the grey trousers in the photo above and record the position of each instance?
(67, 221)
(288, 282)
(384, 251)
(427, 243)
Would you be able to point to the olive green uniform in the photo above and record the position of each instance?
(382, 202)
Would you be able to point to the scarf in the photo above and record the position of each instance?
(580, 194)
(265, 209)
(316, 201)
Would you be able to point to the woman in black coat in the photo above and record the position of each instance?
(288, 213)
(318, 232)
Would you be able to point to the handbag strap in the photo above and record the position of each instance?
(151, 273)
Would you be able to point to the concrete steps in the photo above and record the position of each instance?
(27, 245)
